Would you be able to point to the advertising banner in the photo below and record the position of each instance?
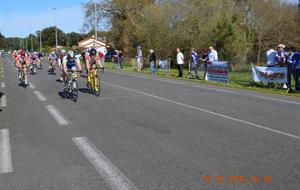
(269, 74)
(217, 71)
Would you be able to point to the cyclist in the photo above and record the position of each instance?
(52, 58)
(41, 57)
(34, 59)
(92, 62)
(22, 61)
(71, 64)
(14, 56)
(60, 63)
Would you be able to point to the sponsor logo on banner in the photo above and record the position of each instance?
(269, 74)
(217, 71)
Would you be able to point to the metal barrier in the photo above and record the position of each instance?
(163, 66)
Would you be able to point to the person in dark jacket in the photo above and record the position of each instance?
(152, 61)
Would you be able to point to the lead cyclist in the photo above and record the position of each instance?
(93, 62)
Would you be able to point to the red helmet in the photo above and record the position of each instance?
(22, 53)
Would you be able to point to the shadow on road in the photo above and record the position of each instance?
(85, 90)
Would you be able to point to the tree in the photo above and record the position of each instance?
(48, 37)
(120, 14)
(2, 41)
(73, 37)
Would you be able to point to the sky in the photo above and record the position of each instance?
(20, 18)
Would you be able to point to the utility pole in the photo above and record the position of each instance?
(95, 6)
(40, 37)
(55, 28)
(31, 41)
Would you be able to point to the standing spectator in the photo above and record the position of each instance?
(204, 53)
(295, 66)
(282, 60)
(115, 58)
(281, 55)
(180, 62)
(101, 57)
(195, 62)
(152, 61)
(139, 58)
(271, 57)
(121, 58)
(212, 55)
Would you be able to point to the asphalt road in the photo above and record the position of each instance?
(145, 133)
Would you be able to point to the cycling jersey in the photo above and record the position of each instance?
(22, 59)
(52, 57)
(93, 64)
(34, 57)
(70, 63)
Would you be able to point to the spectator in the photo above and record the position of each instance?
(271, 57)
(102, 58)
(280, 56)
(204, 53)
(121, 58)
(139, 58)
(180, 62)
(212, 55)
(295, 66)
(152, 61)
(195, 62)
(115, 58)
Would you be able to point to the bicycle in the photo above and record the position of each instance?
(33, 66)
(71, 86)
(22, 77)
(93, 81)
(51, 66)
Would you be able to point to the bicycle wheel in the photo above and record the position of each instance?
(74, 91)
(97, 86)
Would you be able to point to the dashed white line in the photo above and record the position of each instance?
(108, 171)
(5, 152)
(31, 86)
(3, 84)
(3, 101)
(40, 96)
(206, 111)
(57, 115)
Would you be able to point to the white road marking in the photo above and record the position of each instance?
(3, 101)
(31, 86)
(216, 89)
(40, 96)
(108, 171)
(206, 111)
(3, 84)
(278, 100)
(57, 115)
(5, 152)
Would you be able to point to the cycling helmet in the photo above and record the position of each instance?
(71, 54)
(22, 53)
(93, 52)
(63, 52)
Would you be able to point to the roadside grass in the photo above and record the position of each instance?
(239, 78)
